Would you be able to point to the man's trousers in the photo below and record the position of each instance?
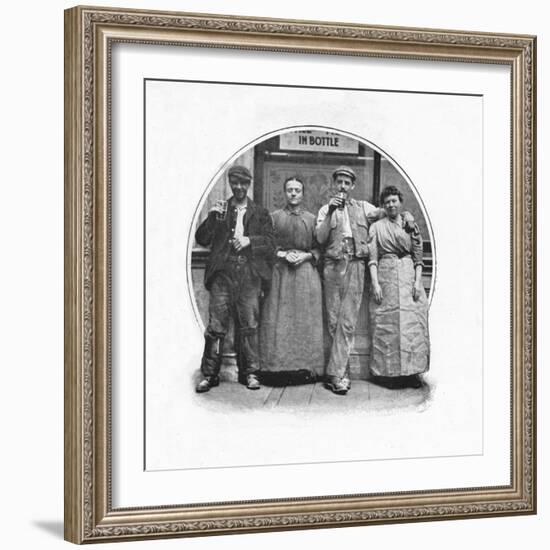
(235, 293)
(344, 281)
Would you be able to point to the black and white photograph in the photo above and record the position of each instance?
(310, 271)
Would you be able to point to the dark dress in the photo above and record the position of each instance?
(291, 329)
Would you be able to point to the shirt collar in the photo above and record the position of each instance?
(243, 207)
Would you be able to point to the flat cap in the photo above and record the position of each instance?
(345, 171)
(239, 171)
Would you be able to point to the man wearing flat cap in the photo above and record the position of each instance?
(342, 228)
(241, 245)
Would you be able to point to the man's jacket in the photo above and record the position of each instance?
(257, 226)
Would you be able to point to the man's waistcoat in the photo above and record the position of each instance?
(359, 230)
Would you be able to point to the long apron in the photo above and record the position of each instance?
(399, 325)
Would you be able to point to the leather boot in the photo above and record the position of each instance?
(212, 355)
(206, 383)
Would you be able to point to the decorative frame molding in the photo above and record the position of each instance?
(89, 34)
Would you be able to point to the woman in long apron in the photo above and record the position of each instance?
(398, 305)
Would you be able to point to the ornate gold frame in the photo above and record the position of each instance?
(89, 33)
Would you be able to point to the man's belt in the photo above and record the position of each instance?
(347, 258)
(348, 246)
(240, 259)
(398, 255)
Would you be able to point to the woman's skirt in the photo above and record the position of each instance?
(291, 329)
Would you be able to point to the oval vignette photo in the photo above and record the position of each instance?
(312, 266)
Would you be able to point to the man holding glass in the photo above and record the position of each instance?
(240, 236)
(343, 229)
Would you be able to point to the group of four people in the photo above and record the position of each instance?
(278, 256)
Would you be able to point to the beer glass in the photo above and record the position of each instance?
(341, 195)
(220, 216)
